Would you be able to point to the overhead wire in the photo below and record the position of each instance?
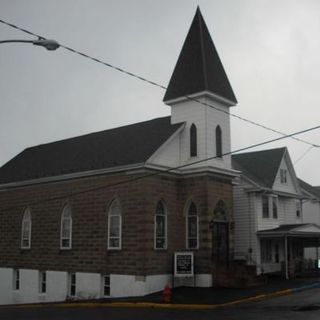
(303, 155)
(159, 85)
(126, 181)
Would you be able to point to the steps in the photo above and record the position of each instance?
(237, 275)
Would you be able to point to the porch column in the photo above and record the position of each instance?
(286, 257)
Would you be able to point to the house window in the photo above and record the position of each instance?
(66, 228)
(266, 251)
(16, 279)
(106, 286)
(160, 224)
(26, 230)
(275, 207)
(218, 142)
(72, 284)
(192, 227)
(283, 176)
(193, 141)
(42, 282)
(114, 226)
(298, 209)
(265, 206)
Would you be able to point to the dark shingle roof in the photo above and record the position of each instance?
(199, 67)
(259, 166)
(115, 147)
(309, 188)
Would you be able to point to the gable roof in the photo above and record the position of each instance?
(199, 67)
(309, 189)
(121, 146)
(259, 166)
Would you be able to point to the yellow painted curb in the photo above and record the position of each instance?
(152, 304)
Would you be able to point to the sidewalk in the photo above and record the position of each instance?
(217, 296)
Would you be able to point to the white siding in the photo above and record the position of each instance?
(285, 187)
(242, 219)
(245, 223)
(206, 119)
(311, 214)
(88, 285)
(311, 211)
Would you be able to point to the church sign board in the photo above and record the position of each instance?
(183, 264)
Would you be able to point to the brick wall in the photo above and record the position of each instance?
(89, 214)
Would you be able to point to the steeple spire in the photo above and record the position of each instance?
(199, 68)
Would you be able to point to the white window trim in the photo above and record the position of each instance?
(16, 278)
(70, 284)
(283, 176)
(26, 217)
(120, 227)
(270, 198)
(103, 285)
(41, 282)
(187, 229)
(274, 197)
(298, 205)
(165, 215)
(269, 207)
(67, 207)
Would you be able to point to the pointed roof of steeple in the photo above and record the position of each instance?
(199, 67)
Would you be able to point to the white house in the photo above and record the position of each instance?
(270, 231)
(311, 214)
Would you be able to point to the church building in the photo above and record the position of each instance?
(102, 215)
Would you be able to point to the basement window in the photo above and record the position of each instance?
(106, 285)
(72, 284)
(42, 282)
(16, 279)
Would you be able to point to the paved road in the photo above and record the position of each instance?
(286, 307)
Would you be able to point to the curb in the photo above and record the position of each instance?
(158, 305)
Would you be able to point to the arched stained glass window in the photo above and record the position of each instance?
(66, 228)
(160, 226)
(114, 225)
(26, 230)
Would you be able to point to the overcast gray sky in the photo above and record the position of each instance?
(269, 48)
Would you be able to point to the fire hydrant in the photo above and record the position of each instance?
(167, 294)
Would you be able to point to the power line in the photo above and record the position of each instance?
(303, 155)
(159, 85)
(70, 195)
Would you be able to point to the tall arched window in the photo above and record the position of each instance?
(26, 230)
(193, 141)
(66, 228)
(192, 227)
(218, 142)
(114, 225)
(160, 226)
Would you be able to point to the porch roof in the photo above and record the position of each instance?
(305, 230)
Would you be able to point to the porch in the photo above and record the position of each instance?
(282, 249)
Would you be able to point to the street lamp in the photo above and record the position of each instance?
(46, 43)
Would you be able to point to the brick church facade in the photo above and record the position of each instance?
(102, 215)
